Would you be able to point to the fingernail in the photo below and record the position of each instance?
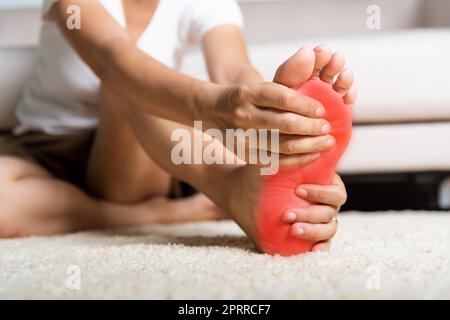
(326, 128)
(299, 231)
(290, 216)
(320, 111)
(330, 142)
(302, 192)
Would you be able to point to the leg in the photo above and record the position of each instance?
(233, 188)
(236, 189)
(119, 169)
(53, 206)
(131, 159)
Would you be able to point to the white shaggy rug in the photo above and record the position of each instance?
(379, 255)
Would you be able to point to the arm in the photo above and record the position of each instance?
(228, 64)
(158, 90)
(108, 50)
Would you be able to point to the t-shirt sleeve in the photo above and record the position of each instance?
(208, 14)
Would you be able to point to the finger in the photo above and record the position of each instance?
(273, 95)
(323, 57)
(285, 163)
(343, 82)
(314, 232)
(335, 66)
(251, 150)
(323, 246)
(330, 195)
(288, 144)
(285, 122)
(297, 161)
(297, 69)
(350, 97)
(311, 214)
(301, 145)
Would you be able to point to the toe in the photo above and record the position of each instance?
(350, 97)
(335, 66)
(313, 214)
(344, 82)
(297, 69)
(323, 246)
(290, 216)
(314, 232)
(323, 56)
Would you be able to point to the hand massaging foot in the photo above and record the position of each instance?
(277, 194)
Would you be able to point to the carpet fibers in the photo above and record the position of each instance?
(393, 255)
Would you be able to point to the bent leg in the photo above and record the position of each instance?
(237, 189)
(119, 169)
(232, 187)
(33, 202)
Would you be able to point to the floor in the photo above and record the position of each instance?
(375, 255)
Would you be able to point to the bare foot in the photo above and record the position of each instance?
(194, 208)
(162, 210)
(244, 202)
(322, 63)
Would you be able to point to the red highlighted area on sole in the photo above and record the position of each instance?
(278, 191)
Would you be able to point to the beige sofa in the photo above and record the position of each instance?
(402, 118)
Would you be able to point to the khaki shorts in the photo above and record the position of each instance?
(64, 156)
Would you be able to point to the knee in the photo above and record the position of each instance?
(11, 173)
(9, 217)
(14, 169)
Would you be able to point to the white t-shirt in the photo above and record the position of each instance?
(62, 94)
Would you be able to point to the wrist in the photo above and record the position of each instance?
(207, 97)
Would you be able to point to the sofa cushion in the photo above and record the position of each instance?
(284, 20)
(401, 76)
(396, 148)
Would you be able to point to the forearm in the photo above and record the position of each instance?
(151, 86)
(228, 64)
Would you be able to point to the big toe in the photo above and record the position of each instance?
(323, 56)
(297, 69)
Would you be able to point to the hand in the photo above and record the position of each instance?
(303, 135)
(316, 222)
